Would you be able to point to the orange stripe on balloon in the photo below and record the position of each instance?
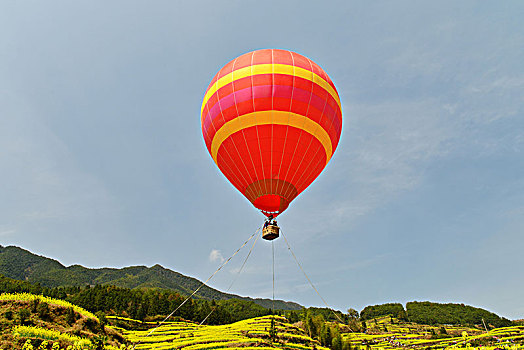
(271, 117)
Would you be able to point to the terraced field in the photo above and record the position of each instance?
(248, 334)
(252, 334)
(384, 334)
(49, 327)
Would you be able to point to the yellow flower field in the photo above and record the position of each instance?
(30, 297)
(247, 334)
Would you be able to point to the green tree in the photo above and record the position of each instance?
(34, 304)
(272, 330)
(373, 311)
(352, 313)
(43, 311)
(436, 313)
(402, 315)
(70, 316)
(310, 326)
(292, 316)
(103, 320)
(141, 312)
(326, 336)
(336, 344)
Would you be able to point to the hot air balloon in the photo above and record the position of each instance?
(271, 120)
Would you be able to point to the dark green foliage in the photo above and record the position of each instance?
(23, 316)
(352, 313)
(402, 315)
(313, 324)
(435, 313)
(34, 305)
(70, 316)
(92, 325)
(20, 264)
(43, 311)
(292, 316)
(336, 340)
(213, 313)
(102, 318)
(14, 263)
(394, 309)
(8, 314)
(242, 309)
(327, 314)
(336, 343)
(272, 330)
(326, 336)
(138, 303)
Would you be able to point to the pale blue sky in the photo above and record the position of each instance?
(102, 161)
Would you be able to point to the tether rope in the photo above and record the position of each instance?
(305, 274)
(196, 290)
(273, 252)
(273, 327)
(234, 280)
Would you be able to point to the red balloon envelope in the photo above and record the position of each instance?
(271, 120)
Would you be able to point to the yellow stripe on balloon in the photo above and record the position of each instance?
(269, 68)
(271, 117)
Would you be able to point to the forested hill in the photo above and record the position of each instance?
(20, 264)
(435, 313)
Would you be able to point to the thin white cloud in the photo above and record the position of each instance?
(385, 152)
(6, 232)
(215, 256)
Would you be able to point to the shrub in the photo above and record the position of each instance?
(102, 318)
(23, 315)
(70, 316)
(34, 304)
(8, 314)
(43, 310)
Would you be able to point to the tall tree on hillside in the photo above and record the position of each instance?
(352, 313)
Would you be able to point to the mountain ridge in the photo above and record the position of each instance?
(21, 264)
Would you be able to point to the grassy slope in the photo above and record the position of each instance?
(82, 324)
